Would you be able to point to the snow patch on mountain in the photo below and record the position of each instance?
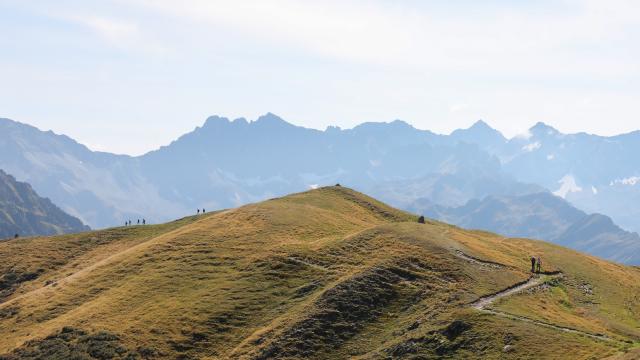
(630, 181)
(567, 185)
(524, 136)
(532, 147)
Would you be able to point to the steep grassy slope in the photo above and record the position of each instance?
(328, 273)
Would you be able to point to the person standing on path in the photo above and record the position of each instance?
(539, 266)
(533, 264)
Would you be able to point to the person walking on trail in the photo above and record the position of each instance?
(539, 266)
(138, 221)
(198, 211)
(203, 211)
(533, 264)
(144, 221)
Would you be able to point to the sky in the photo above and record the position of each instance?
(127, 76)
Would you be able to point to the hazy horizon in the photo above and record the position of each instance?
(126, 77)
(523, 133)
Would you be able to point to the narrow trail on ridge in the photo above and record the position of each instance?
(487, 300)
(536, 280)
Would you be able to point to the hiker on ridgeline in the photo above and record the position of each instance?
(198, 211)
(539, 266)
(138, 221)
(421, 220)
(144, 221)
(533, 264)
(203, 210)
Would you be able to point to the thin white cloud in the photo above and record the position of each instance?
(437, 65)
(122, 34)
(387, 33)
(458, 107)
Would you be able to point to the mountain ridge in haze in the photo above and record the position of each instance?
(541, 216)
(227, 163)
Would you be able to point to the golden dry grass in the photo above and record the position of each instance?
(328, 273)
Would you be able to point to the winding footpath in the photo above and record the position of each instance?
(534, 281)
(487, 300)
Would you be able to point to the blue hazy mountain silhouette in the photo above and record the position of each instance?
(225, 163)
(541, 216)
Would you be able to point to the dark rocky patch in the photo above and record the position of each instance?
(340, 313)
(77, 344)
(438, 343)
(305, 290)
(10, 280)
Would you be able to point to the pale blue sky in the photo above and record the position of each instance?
(129, 76)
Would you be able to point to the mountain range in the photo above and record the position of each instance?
(24, 213)
(225, 163)
(541, 216)
(325, 274)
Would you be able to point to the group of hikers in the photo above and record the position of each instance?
(128, 223)
(144, 221)
(536, 264)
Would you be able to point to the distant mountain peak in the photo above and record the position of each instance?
(215, 119)
(271, 119)
(541, 128)
(480, 133)
(384, 125)
(481, 125)
(401, 123)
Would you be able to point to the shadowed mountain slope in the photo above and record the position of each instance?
(24, 213)
(329, 273)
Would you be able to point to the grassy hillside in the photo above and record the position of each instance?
(328, 273)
